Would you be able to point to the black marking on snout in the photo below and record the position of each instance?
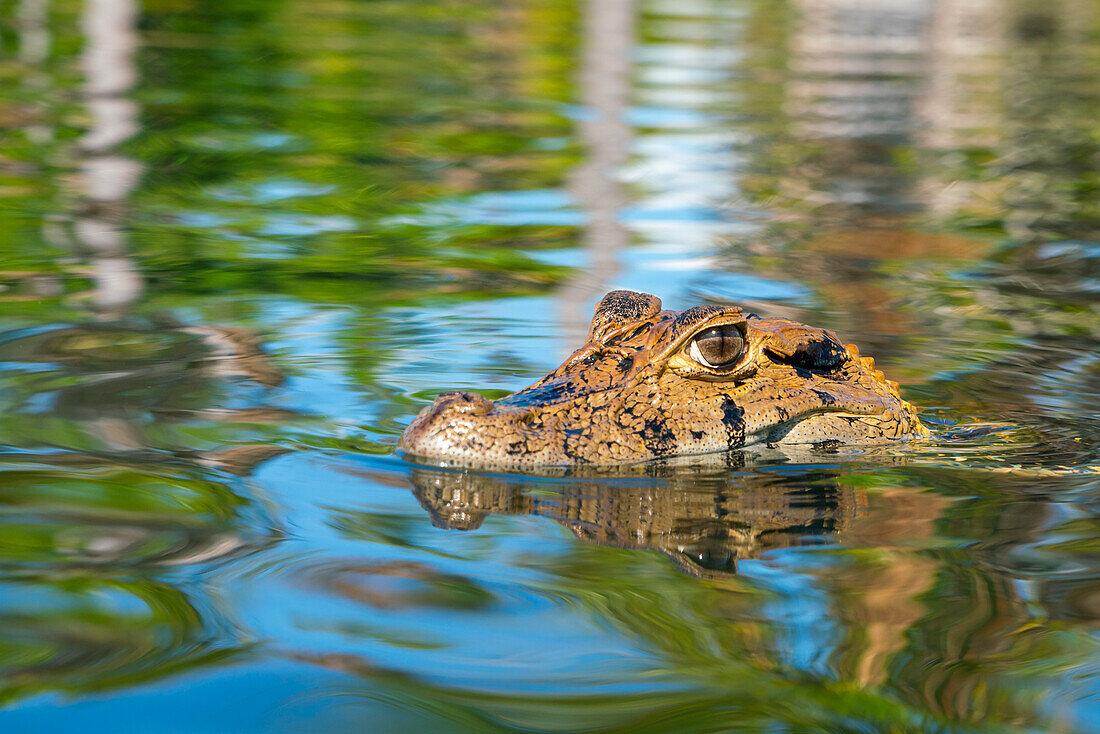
(591, 359)
(733, 418)
(823, 353)
(562, 389)
(556, 391)
(658, 438)
(634, 334)
(568, 447)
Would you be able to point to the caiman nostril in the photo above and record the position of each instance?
(469, 403)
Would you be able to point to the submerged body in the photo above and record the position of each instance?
(652, 384)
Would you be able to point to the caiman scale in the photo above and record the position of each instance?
(651, 384)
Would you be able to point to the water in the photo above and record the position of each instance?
(244, 243)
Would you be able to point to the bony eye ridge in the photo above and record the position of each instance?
(718, 347)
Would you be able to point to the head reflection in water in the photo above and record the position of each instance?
(705, 524)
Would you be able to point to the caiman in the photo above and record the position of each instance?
(651, 384)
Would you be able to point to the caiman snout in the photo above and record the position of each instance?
(465, 426)
(465, 403)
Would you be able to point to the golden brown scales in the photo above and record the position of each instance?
(651, 384)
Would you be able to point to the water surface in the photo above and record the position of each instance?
(244, 243)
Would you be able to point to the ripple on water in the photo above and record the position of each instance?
(202, 522)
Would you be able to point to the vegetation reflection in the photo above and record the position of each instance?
(235, 237)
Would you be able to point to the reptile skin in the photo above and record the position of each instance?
(638, 390)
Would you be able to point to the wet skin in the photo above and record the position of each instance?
(651, 384)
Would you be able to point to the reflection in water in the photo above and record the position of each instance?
(98, 633)
(96, 510)
(906, 68)
(399, 584)
(107, 177)
(244, 243)
(705, 524)
(112, 378)
(605, 88)
(87, 558)
(708, 522)
(90, 534)
(895, 614)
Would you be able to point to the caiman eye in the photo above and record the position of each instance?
(718, 347)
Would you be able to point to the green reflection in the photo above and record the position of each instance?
(83, 634)
(318, 181)
(918, 638)
(337, 145)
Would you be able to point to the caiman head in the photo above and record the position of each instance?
(651, 384)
